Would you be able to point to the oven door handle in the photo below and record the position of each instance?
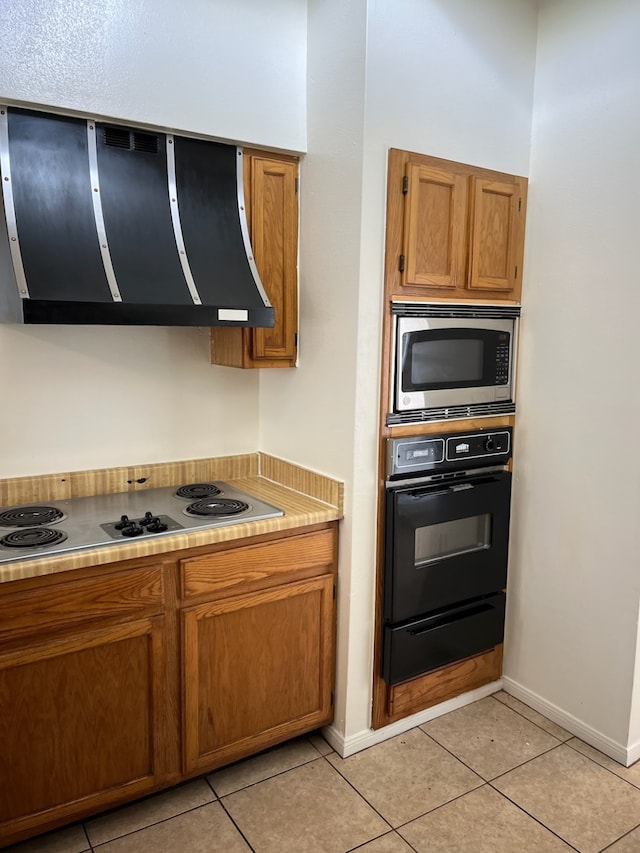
(430, 493)
(452, 616)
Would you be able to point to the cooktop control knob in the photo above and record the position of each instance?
(132, 529)
(489, 444)
(124, 522)
(148, 518)
(155, 525)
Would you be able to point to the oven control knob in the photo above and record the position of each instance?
(489, 444)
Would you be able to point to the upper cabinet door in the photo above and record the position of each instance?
(495, 250)
(434, 228)
(274, 237)
(271, 201)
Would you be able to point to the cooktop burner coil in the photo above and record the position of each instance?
(30, 516)
(216, 507)
(33, 537)
(196, 491)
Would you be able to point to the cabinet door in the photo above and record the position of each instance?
(271, 201)
(496, 235)
(81, 722)
(258, 668)
(274, 238)
(434, 228)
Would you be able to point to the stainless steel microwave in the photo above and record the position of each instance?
(452, 361)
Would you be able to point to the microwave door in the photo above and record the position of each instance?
(444, 362)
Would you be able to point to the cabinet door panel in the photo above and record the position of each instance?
(258, 668)
(435, 223)
(274, 238)
(79, 718)
(494, 245)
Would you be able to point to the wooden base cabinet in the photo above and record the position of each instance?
(258, 651)
(258, 670)
(83, 702)
(88, 707)
(121, 680)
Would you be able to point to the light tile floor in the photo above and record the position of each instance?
(493, 777)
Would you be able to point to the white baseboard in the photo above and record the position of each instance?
(622, 754)
(346, 746)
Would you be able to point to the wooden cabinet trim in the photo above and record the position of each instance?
(60, 604)
(442, 684)
(231, 570)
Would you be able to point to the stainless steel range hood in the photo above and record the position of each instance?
(109, 224)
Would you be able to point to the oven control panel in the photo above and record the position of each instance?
(448, 452)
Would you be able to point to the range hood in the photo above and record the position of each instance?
(108, 224)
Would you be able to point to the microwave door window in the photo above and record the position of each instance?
(446, 363)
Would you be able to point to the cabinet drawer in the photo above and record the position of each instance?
(250, 565)
(54, 604)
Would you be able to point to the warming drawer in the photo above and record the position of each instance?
(426, 644)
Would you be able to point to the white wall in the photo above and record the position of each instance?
(574, 583)
(442, 77)
(91, 397)
(308, 414)
(232, 69)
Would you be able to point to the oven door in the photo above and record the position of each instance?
(452, 362)
(445, 543)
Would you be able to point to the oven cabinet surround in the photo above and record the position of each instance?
(271, 201)
(454, 231)
(121, 680)
(392, 703)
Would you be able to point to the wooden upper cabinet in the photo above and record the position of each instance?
(454, 231)
(494, 237)
(434, 255)
(271, 201)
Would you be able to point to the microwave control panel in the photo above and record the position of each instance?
(447, 452)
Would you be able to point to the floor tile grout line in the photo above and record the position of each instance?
(244, 837)
(593, 761)
(524, 763)
(533, 817)
(95, 846)
(360, 794)
(266, 779)
(533, 723)
(438, 807)
(392, 832)
(453, 755)
(609, 846)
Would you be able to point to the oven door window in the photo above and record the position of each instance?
(449, 539)
(437, 359)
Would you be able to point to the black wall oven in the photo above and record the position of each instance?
(446, 549)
